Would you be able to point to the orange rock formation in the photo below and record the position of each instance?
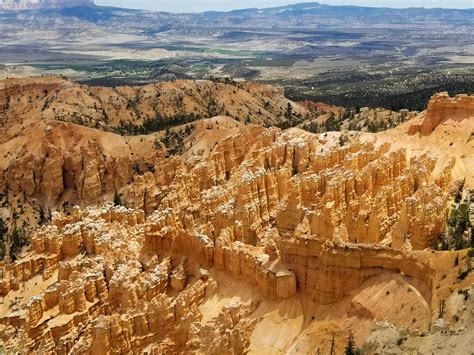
(263, 240)
(442, 108)
(277, 210)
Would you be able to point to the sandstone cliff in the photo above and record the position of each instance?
(444, 131)
(442, 108)
(65, 144)
(51, 160)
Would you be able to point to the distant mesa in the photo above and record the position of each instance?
(41, 4)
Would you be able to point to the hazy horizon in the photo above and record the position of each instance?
(216, 5)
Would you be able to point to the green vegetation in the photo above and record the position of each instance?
(174, 140)
(332, 124)
(460, 232)
(156, 124)
(117, 199)
(459, 224)
(442, 306)
(213, 109)
(343, 140)
(349, 89)
(42, 218)
(332, 351)
(350, 347)
(463, 272)
(381, 125)
(137, 169)
(18, 241)
(3, 238)
(289, 112)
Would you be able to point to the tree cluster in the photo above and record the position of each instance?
(17, 241)
(155, 124)
(173, 140)
(460, 231)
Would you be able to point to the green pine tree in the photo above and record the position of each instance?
(3, 235)
(117, 199)
(18, 241)
(289, 112)
(332, 351)
(350, 347)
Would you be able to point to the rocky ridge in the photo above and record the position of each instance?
(107, 108)
(42, 4)
(60, 145)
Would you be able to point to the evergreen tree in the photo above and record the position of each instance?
(333, 345)
(3, 234)
(459, 223)
(3, 228)
(18, 241)
(117, 199)
(350, 347)
(42, 217)
(289, 112)
(442, 305)
(458, 196)
(472, 237)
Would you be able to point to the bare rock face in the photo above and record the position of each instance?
(89, 185)
(441, 108)
(40, 4)
(80, 172)
(52, 184)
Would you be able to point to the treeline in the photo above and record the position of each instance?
(416, 100)
(155, 124)
(353, 120)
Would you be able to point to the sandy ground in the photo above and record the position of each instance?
(451, 139)
(300, 326)
(210, 131)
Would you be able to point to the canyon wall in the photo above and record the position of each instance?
(282, 211)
